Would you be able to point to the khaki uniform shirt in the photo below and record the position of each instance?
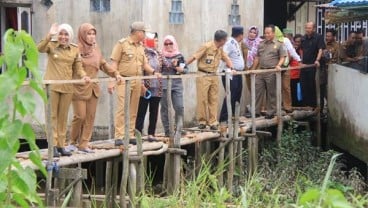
(208, 57)
(62, 63)
(95, 63)
(130, 57)
(269, 53)
(333, 48)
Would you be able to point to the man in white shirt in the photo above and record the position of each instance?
(233, 49)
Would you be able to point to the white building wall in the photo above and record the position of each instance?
(201, 19)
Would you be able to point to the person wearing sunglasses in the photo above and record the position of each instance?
(173, 63)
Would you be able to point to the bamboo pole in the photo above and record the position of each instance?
(238, 149)
(182, 76)
(278, 107)
(132, 185)
(140, 166)
(50, 201)
(176, 156)
(115, 172)
(253, 140)
(111, 116)
(125, 174)
(108, 186)
(220, 164)
(318, 109)
(76, 200)
(230, 172)
(168, 157)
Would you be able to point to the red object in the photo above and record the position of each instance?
(295, 73)
(150, 43)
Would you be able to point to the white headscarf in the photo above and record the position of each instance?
(68, 29)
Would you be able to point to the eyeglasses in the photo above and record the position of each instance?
(167, 44)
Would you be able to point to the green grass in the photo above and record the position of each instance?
(299, 175)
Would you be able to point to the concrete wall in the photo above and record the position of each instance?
(201, 19)
(347, 105)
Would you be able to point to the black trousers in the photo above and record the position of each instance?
(294, 93)
(308, 84)
(236, 86)
(153, 103)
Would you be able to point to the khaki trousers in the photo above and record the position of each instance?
(286, 90)
(207, 99)
(60, 103)
(266, 83)
(83, 120)
(135, 93)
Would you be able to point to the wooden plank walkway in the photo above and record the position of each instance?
(105, 149)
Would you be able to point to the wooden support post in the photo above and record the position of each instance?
(140, 167)
(238, 149)
(220, 165)
(177, 156)
(230, 172)
(115, 173)
(50, 152)
(318, 109)
(132, 185)
(253, 140)
(169, 160)
(125, 173)
(52, 197)
(108, 184)
(111, 116)
(278, 107)
(197, 157)
(76, 200)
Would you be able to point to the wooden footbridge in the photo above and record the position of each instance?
(230, 139)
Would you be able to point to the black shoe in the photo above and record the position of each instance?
(132, 141)
(56, 152)
(64, 152)
(214, 127)
(289, 111)
(269, 116)
(119, 142)
(202, 126)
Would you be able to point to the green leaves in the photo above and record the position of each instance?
(13, 49)
(18, 184)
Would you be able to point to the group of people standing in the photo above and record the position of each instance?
(139, 55)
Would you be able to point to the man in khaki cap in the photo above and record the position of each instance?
(129, 59)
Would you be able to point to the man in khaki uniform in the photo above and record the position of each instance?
(129, 59)
(208, 59)
(271, 54)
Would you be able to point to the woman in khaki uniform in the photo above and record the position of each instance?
(85, 96)
(63, 61)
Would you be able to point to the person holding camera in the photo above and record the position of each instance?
(173, 63)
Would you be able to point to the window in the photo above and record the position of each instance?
(100, 5)
(176, 15)
(234, 16)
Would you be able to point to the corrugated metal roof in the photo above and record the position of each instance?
(349, 3)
